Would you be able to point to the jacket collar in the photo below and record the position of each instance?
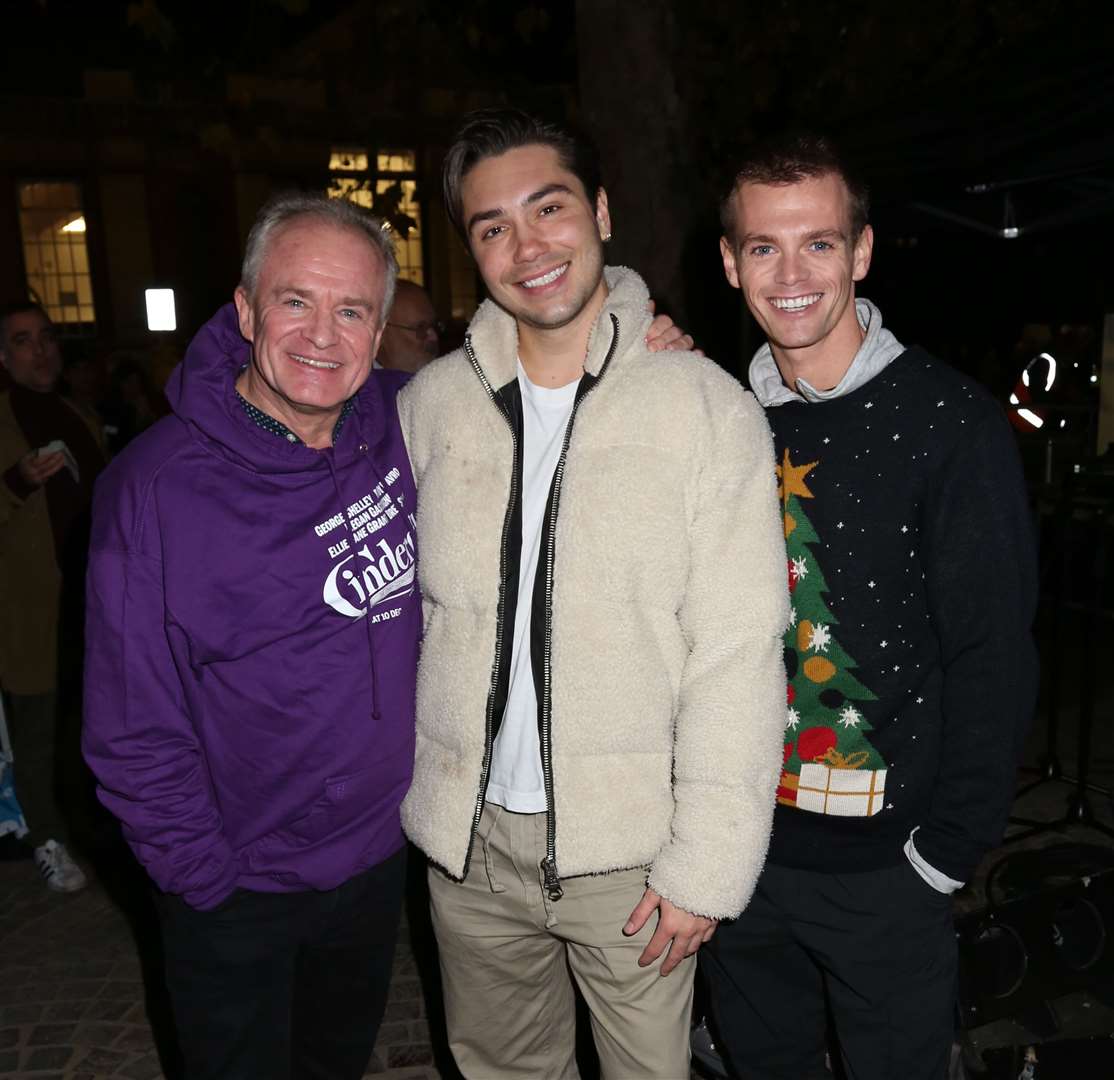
(494, 335)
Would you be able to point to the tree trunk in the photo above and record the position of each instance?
(632, 111)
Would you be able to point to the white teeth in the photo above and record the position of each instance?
(545, 279)
(316, 363)
(795, 303)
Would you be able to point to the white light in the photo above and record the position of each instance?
(1063, 424)
(1051, 370)
(1094, 378)
(1013, 400)
(1011, 232)
(160, 309)
(1025, 377)
(77, 225)
(1030, 417)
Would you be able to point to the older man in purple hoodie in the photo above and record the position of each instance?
(253, 629)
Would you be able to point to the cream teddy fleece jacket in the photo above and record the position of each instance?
(669, 601)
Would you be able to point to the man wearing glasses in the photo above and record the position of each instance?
(412, 337)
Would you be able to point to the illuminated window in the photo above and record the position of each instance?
(52, 221)
(391, 192)
(342, 160)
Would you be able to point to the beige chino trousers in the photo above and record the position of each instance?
(507, 952)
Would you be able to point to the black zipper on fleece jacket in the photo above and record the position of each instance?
(541, 629)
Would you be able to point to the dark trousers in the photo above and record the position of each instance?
(33, 723)
(876, 950)
(283, 986)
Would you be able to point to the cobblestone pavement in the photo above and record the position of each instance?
(74, 1001)
(79, 999)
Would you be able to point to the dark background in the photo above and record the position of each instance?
(975, 110)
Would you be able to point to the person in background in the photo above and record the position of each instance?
(411, 337)
(50, 456)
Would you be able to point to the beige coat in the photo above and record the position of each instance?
(29, 577)
(670, 599)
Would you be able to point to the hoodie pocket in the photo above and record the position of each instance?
(344, 803)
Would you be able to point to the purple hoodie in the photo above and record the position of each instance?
(247, 720)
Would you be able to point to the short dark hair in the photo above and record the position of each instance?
(17, 307)
(789, 159)
(491, 132)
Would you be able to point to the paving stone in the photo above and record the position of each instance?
(9, 1037)
(64, 1010)
(88, 1034)
(9, 1062)
(51, 1034)
(401, 1056)
(135, 1038)
(136, 1014)
(405, 990)
(102, 1009)
(123, 988)
(393, 1033)
(375, 1066)
(77, 991)
(13, 995)
(402, 1010)
(147, 1068)
(47, 1057)
(91, 969)
(101, 1059)
(20, 1014)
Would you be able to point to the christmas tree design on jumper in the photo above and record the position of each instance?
(830, 767)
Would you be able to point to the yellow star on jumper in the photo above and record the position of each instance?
(792, 479)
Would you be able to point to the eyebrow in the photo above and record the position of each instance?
(346, 301)
(533, 197)
(819, 234)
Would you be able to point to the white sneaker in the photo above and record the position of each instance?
(62, 874)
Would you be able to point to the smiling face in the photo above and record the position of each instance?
(314, 322)
(536, 237)
(796, 264)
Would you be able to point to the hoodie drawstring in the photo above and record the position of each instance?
(330, 459)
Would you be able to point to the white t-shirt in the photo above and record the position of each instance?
(515, 780)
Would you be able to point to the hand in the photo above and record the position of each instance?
(687, 932)
(664, 334)
(36, 470)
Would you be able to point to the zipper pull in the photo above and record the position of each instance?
(551, 878)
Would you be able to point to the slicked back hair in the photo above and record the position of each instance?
(789, 159)
(17, 307)
(291, 206)
(490, 132)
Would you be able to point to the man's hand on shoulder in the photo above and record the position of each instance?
(665, 334)
(686, 931)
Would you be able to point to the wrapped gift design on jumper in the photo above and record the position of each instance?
(840, 790)
(830, 766)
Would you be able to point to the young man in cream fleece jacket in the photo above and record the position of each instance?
(601, 690)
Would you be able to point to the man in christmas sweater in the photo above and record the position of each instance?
(911, 666)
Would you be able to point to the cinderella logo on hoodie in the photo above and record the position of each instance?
(371, 576)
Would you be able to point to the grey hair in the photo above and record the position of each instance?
(289, 206)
